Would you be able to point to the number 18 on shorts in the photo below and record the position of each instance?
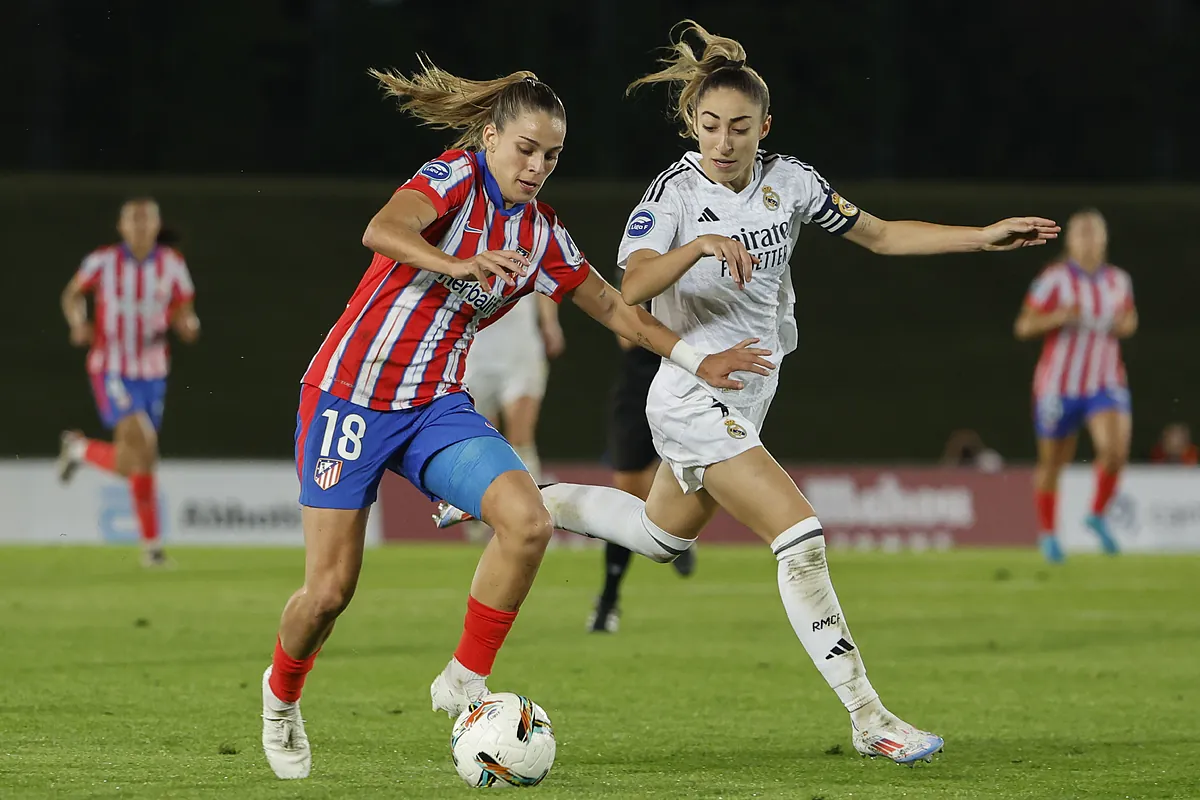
(343, 449)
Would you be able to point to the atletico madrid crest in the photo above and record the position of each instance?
(328, 472)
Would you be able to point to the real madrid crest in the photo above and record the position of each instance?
(731, 426)
(847, 208)
(771, 201)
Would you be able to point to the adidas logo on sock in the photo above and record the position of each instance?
(840, 649)
(708, 216)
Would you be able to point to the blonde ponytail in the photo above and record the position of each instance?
(445, 101)
(721, 63)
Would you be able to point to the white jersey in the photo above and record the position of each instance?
(705, 306)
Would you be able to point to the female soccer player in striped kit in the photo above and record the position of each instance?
(1082, 307)
(454, 248)
(711, 243)
(141, 289)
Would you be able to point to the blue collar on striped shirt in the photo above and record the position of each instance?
(129, 253)
(1083, 273)
(493, 189)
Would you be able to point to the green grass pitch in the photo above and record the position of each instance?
(1078, 681)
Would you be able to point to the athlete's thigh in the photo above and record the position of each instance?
(342, 449)
(637, 482)
(455, 454)
(679, 514)
(520, 416)
(757, 492)
(1057, 452)
(334, 539)
(1111, 431)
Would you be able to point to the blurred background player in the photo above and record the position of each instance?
(634, 462)
(506, 376)
(140, 289)
(1082, 307)
(1175, 446)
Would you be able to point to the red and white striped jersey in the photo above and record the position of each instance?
(133, 305)
(1081, 359)
(403, 339)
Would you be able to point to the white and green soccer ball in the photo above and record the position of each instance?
(503, 740)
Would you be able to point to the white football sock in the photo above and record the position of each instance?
(602, 512)
(529, 455)
(816, 616)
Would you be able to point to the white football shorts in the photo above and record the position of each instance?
(697, 429)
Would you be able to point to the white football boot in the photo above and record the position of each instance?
(891, 737)
(447, 515)
(70, 454)
(456, 688)
(283, 739)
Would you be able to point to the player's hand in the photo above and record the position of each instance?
(1015, 232)
(716, 368)
(1064, 317)
(1125, 324)
(553, 339)
(81, 334)
(187, 328)
(502, 263)
(732, 253)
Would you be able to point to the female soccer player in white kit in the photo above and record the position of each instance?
(711, 242)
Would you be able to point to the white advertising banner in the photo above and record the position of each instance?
(1156, 509)
(200, 502)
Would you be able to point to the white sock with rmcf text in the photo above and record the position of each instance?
(816, 616)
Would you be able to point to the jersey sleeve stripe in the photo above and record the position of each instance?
(666, 173)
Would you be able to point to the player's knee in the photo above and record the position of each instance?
(1111, 461)
(329, 596)
(524, 525)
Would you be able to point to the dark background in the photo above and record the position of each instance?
(269, 149)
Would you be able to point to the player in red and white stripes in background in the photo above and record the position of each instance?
(140, 290)
(1082, 306)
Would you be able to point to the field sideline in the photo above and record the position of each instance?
(1071, 682)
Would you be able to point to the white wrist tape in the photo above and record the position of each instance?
(687, 356)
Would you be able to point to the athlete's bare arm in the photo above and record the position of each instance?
(185, 323)
(548, 324)
(600, 301)
(1032, 323)
(395, 232)
(74, 308)
(649, 273)
(914, 238)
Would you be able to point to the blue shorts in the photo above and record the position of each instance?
(118, 397)
(1056, 417)
(445, 448)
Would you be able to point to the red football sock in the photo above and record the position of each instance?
(483, 634)
(101, 455)
(145, 505)
(1045, 503)
(1106, 487)
(288, 674)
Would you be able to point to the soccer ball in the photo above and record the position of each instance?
(503, 740)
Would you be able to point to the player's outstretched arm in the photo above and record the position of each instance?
(913, 238)
(395, 232)
(601, 302)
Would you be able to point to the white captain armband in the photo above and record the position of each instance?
(837, 215)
